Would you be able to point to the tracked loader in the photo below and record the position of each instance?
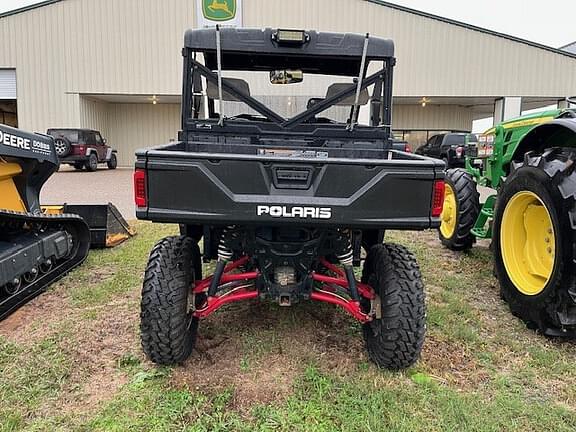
(36, 248)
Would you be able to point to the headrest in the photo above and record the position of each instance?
(241, 85)
(336, 88)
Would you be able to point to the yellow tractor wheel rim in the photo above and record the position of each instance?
(528, 242)
(449, 215)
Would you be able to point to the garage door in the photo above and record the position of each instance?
(7, 84)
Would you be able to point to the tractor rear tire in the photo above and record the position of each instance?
(465, 213)
(395, 340)
(549, 181)
(167, 326)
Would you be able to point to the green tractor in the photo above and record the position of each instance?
(530, 161)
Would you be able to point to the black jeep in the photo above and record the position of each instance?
(452, 148)
(83, 148)
(285, 204)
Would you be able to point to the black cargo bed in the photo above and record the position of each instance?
(360, 188)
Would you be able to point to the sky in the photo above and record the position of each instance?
(543, 22)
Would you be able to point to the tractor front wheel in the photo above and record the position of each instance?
(394, 338)
(534, 237)
(461, 209)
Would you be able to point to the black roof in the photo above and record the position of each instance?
(260, 41)
(255, 49)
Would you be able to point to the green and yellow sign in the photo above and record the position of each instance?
(219, 10)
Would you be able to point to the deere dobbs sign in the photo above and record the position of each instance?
(223, 12)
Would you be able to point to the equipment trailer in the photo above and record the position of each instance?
(284, 204)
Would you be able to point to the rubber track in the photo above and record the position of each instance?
(73, 225)
(168, 332)
(468, 200)
(395, 341)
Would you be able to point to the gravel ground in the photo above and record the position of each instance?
(100, 187)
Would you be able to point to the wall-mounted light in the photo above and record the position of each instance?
(153, 99)
(424, 101)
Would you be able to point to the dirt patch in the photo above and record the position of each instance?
(260, 350)
(39, 318)
(34, 321)
(452, 363)
(96, 350)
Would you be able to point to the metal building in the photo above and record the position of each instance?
(571, 48)
(115, 65)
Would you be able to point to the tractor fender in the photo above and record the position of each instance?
(556, 133)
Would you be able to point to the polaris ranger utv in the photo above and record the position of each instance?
(285, 204)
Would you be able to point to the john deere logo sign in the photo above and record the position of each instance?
(224, 12)
(219, 10)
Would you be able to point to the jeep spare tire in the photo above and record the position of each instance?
(62, 146)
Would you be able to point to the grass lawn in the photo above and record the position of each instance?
(71, 360)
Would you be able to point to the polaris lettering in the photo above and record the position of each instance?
(14, 141)
(295, 212)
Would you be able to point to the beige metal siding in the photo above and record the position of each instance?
(95, 115)
(434, 58)
(433, 117)
(138, 126)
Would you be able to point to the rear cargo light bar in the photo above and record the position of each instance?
(140, 198)
(438, 198)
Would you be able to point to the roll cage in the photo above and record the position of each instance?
(319, 53)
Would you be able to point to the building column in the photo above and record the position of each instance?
(563, 104)
(507, 108)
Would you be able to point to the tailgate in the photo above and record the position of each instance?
(200, 188)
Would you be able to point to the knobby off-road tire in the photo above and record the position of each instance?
(466, 212)
(395, 341)
(168, 329)
(552, 178)
(92, 163)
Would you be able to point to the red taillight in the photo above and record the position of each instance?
(407, 148)
(438, 198)
(140, 188)
(459, 151)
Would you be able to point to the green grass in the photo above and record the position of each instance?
(28, 377)
(278, 369)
